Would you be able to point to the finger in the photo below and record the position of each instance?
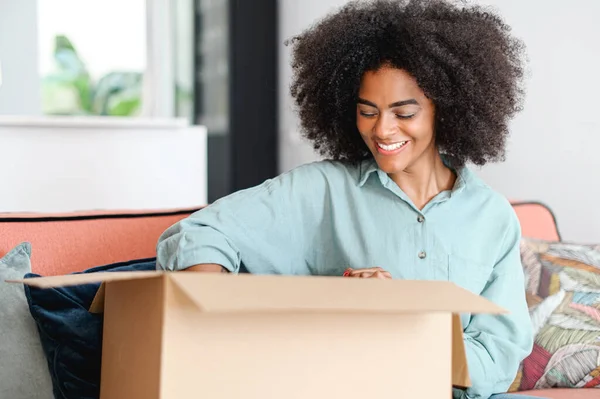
(378, 275)
(373, 269)
(368, 270)
(355, 273)
(381, 272)
(382, 275)
(363, 273)
(366, 273)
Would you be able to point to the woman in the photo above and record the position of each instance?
(399, 96)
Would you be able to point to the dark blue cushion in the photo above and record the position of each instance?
(72, 336)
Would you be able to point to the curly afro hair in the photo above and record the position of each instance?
(462, 56)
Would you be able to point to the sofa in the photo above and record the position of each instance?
(67, 243)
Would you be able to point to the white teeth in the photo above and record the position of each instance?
(391, 147)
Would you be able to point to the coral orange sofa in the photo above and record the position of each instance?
(66, 243)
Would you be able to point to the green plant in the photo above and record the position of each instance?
(70, 90)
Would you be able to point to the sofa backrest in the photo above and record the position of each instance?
(69, 243)
(537, 221)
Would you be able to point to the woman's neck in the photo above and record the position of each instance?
(425, 179)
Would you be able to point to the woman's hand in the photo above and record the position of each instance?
(372, 272)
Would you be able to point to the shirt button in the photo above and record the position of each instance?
(422, 255)
(420, 219)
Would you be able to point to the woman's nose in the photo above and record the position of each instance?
(385, 126)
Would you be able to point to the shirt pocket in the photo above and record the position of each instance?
(468, 273)
(439, 266)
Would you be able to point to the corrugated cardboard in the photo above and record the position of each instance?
(220, 336)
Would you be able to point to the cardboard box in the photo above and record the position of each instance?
(217, 336)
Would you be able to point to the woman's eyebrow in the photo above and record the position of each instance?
(411, 101)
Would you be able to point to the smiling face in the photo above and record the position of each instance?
(396, 120)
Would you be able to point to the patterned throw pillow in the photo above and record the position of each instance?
(563, 293)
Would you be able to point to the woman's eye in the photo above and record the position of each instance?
(367, 114)
(404, 116)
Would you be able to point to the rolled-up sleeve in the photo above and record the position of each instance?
(496, 344)
(258, 227)
(193, 241)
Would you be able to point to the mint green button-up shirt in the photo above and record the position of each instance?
(323, 217)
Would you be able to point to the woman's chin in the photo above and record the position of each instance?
(390, 166)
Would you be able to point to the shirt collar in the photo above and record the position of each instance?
(369, 166)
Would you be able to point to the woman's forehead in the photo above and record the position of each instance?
(390, 81)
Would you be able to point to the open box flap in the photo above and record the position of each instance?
(97, 305)
(85, 278)
(460, 369)
(227, 293)
(216, 292)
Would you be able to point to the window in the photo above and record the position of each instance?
(92, 56)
